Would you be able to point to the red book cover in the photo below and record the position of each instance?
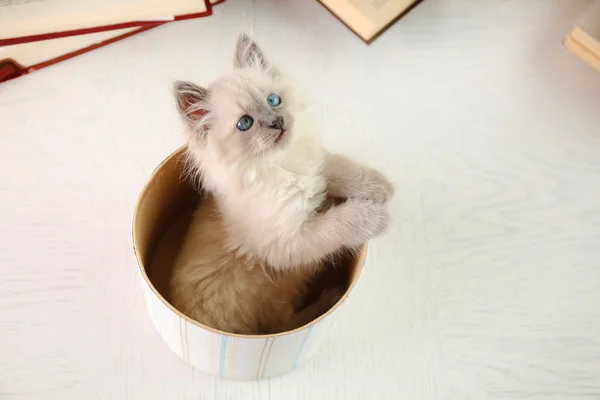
(11, 68)
(131, 24)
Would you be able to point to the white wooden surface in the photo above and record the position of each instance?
(486, 287)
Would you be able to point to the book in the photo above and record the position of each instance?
(368, 18)
(584, 38)
(23, 58)
(24, 21)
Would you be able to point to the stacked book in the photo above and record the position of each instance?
(38, 33)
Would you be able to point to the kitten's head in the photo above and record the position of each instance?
(243, 114)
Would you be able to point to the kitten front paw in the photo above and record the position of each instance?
(366, 218)
(377, 187)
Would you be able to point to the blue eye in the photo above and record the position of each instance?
(245, 123)
(273, 100)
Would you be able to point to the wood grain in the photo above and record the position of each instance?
(487, 285)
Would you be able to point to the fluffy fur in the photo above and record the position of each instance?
(254, 245)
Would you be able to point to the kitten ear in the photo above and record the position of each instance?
(191, 100)
(248, 54)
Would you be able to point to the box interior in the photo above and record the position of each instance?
(161, 219)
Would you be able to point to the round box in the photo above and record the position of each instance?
(226, 355)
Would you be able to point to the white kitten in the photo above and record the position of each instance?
(254, 245)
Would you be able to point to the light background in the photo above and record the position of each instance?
(487, 285)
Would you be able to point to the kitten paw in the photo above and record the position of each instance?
(377, 187)
(366, 219)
